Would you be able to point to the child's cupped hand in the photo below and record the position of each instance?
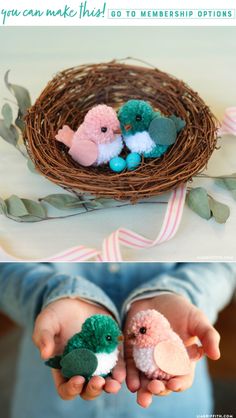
(187, 321)
(58, 322)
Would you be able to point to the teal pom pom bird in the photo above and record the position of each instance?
(145, 131)
(91, 352)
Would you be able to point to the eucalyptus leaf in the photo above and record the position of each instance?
(7, 115)
(197, 200)
(31, 166)
(219, 210)
(29, 218)
(220, 182)
(26, 218)
(21, 94)
(19, 122)
(3, 207)
(112, 203)
(22, 210)
(229, 184)
(16, 207)
(94, 204)
(9, 135)
(34, 209)
(63, 201)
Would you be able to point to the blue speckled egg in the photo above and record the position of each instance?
(133, 160)
(117, 164)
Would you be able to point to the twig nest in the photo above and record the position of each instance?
(73, 92)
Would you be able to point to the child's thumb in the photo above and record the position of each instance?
(44, 340)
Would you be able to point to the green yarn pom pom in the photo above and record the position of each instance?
(135, 116)
(94, 333)
(156, 152)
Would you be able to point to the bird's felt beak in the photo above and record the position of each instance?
(131, 336)
(128, 127)
(117, 131)
(120, 338)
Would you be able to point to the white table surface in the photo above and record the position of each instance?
(203, 57)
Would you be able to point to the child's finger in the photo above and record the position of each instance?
(195, 351)
(68, 390)
(112, 386)
(165, 392)
(45, 343)
(207, 334)
(181, 383)
(156, 387)
(144, 396)
(94, 388)
(132, 378)
(210, 341)
(132, 373)
(119, 372)
(45, 329)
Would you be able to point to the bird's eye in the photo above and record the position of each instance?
(138, 118)
(108, 338)
(104, 129)
(143, 330)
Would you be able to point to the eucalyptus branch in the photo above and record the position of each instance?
(87, 210)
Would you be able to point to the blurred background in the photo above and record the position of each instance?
(223, 371)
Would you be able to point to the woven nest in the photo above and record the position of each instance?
(67, 98)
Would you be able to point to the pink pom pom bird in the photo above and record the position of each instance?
(97, 139)
(157, 350)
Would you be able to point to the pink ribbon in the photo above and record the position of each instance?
(228, 125)
(76, 254)
(111, 247)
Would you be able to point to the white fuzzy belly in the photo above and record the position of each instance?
(140, 142)
(106, 362)
(144, 360)
(109, 150)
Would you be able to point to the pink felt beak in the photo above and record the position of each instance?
(117, 131)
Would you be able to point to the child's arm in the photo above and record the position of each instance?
(33, 290)
(209, 286)
(26, 288)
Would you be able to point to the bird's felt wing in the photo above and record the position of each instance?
(162, 130)
(65, 135)
(179, 122)
(172, 358)
(85, 152)
(79, 362)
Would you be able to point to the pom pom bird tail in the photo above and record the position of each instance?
(179, 122)
(54, 362)
(65, 135)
